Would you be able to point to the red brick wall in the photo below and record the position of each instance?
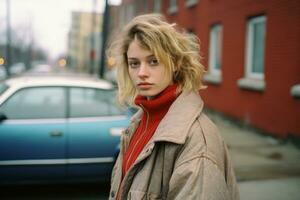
(273, 110)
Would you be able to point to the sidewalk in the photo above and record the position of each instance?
(266, 168)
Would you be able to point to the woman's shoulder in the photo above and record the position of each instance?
(207, 125)
(205, 129)
(207, 135)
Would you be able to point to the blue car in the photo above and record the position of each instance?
(58, 129)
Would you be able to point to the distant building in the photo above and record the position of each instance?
(115, 23)
(252, 53)
(85, 41)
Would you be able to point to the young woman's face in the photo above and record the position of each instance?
(148, 75)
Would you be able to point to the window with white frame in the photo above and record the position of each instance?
(255, 56)
(295, 91)
(215, 55)
(190, 3)
(129, 12)
(215, 49)
(172, 6)
(157, 6)
(173, 3)
(145, 6)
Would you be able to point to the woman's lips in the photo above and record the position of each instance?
(144, 85)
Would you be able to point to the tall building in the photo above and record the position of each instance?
(85, 41)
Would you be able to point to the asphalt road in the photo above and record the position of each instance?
(57, 192)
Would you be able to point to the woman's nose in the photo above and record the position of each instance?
(143, 72)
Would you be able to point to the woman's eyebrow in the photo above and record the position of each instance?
(152, 55)
(133, 58)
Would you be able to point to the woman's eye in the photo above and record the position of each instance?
(134, 64)
(154, 62)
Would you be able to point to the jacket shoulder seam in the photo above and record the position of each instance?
(204, 155)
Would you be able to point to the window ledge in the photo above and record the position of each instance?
(191, 3)
(295, 90)
(212, 78)
(252, 84)
(173, 10)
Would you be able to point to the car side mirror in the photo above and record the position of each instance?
(2, 117)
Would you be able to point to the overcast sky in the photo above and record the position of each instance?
(50, 19)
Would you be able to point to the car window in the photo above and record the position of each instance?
(89, 102)
(3, 87)
(36, 103)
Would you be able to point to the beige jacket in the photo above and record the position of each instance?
(185, 159)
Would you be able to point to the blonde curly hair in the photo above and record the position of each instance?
(177, 50)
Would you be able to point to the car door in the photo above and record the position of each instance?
(92, 141)
(32, 138)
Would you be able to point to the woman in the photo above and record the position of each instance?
(171, 150)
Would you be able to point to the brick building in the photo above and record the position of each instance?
(252, 52)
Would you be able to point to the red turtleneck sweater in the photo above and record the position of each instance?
(154, 111)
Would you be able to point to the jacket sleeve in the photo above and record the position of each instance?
(198, 178)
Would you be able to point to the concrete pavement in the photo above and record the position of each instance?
(271, 189)
(266, 168)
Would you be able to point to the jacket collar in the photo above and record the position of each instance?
(175, 125)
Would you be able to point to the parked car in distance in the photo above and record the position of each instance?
(41, 68)
(17, 68)
(58, 129)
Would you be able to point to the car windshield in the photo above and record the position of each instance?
(3, 88)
